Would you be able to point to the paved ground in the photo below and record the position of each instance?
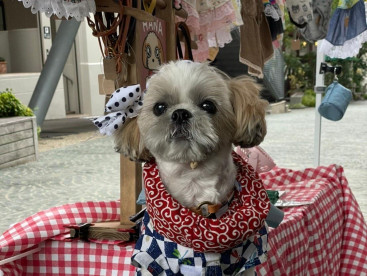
(89, 170)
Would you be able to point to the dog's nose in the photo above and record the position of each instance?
(181, 115)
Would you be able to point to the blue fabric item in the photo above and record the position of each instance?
(347, 24)
(335, 102)
(141, 198)
(161, 256)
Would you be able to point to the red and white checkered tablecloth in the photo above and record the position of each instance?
(327, 236)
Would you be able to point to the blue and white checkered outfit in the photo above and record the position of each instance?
(161, 256)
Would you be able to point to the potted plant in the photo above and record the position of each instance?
(3, 66)
(18, 131)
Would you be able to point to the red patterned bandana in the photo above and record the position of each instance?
(244, 217)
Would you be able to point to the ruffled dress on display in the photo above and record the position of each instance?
(61, 8)
(347, 31)
(210, 23)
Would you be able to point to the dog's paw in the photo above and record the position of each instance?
(134, 155)
(128, 153)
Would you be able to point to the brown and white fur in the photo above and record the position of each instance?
(194, 114)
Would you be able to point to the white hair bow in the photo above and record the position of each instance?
(124, 103)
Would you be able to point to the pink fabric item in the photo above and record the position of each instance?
(207, 22)
(257, 158)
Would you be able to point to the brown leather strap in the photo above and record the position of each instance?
(181, 26)
(113, 34)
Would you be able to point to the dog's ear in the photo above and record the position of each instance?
(249, 112)
(129, 143)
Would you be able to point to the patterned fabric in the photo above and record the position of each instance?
(300, 12)
(326, 237)
(210, 23)
(317, 28)
(124, 103)
(161, 256)
(38, 245)
(62, 8)
(245, 216)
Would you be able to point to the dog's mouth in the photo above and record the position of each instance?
(180, 132)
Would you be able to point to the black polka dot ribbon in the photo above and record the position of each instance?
(124, 103)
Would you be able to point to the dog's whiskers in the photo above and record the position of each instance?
(180, 132)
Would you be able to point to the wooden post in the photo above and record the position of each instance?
(168, 15)
(130, 187)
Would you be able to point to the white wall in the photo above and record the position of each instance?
(23, 85)
(25, 50)
(89, 60)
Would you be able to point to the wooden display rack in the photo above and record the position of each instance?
(131, 172)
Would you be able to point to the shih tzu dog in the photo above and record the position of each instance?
(192, 116)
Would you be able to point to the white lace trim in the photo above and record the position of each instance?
(62, 8)
(350, 48)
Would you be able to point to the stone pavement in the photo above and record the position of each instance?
(90, 170)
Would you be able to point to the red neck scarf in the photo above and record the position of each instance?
(244, 217)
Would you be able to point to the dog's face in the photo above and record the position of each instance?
(186, 113)
(191, 111)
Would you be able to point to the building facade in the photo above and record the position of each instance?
(26, 39)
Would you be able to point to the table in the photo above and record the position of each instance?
(325, 236)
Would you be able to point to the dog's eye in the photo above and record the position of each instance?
(209, 107)
(148, 51)
(159, 109)
(156, 52)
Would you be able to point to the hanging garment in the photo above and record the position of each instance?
(317, 28)
(210, 22)
(273, 15)
(347, 31)
(274, 75)
(277, 44)
(300, 12)
(256, 43)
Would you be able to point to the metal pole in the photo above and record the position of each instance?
(319, 89)
(52, 70)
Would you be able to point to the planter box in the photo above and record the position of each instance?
(3, 67)
(18, 141)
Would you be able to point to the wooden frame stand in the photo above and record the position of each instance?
(131, 172)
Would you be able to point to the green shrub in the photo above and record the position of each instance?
(297, 106)
(10, 106)
(309, 98)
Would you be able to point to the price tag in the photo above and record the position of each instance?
(296, 45)
(109, 68)
(106, 87)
